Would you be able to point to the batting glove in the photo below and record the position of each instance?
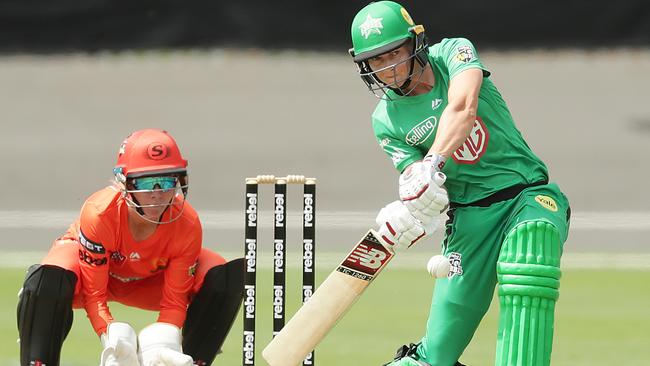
(421, 188)
(398, 229)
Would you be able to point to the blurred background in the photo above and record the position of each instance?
(259, 87)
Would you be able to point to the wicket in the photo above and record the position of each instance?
(279, 254)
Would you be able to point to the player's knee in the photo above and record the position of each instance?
(529, 262)
(222, 280)
(48, 283)
(213, 310)
(45, 312)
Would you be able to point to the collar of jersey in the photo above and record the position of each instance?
(414, 99)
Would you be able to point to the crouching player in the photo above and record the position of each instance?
(137, 242)
(449, 133)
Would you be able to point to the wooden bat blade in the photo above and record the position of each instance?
(329, 303)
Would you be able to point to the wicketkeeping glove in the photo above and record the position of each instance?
(160, 345)
(120, 346)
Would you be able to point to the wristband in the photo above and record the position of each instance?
(436, 160)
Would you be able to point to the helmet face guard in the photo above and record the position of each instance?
(402, 87)
(160, 184)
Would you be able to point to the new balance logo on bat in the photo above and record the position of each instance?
(367, 257)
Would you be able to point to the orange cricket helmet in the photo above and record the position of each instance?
(149, 152)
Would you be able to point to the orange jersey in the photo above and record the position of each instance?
(107, 251)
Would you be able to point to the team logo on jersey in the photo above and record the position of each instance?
(134, 257)
(371, 25)
(455, 269)
(436, 103)
(465, 54)
(422, 131)
(475, 145)
(546, 202)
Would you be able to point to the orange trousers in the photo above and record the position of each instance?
(144, 294)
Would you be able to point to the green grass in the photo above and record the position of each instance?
(602, 318)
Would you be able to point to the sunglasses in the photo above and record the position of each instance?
(164, 183)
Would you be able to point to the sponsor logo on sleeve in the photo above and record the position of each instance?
(464, 54)
(90, 245)
(88, 258)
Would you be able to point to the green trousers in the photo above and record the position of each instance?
(473, 241)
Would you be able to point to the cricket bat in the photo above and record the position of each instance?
(329, 303)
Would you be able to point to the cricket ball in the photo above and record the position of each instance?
(438, 266)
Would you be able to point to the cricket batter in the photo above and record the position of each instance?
(450, 134)
(137, 242)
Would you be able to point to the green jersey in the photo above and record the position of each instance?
(494, 156)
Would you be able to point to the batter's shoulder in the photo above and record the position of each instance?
(381, 122)
(446, 45)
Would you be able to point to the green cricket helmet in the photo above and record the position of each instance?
(381, 27)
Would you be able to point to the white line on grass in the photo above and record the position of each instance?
(326, 261)
(234, 220)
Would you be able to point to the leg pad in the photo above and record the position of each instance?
(45, 313)
(213, 311)
(528, 272)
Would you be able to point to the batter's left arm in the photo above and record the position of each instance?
(458, 118)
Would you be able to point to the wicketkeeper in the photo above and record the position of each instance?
(450, 134)
(137, 242)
